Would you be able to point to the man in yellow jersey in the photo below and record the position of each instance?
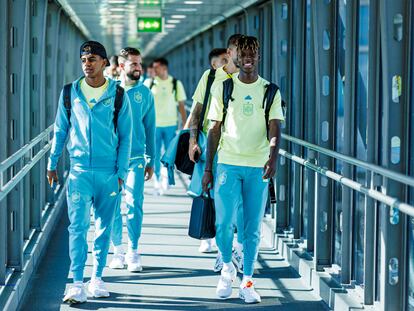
(168, 94)
(94, 116)
(222, 73)
(246, 161)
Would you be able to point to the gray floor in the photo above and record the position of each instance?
(175, 276)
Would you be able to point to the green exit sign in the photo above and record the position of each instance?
(149, 3)
(149, 24)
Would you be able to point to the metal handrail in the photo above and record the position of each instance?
(376, 195)
(5, 189)
(355, 162)
(25, 149)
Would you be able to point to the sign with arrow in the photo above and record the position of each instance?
(150, 24)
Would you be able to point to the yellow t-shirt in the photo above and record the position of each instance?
(92, 94)
(165, 101)
(200, 91)
(244, 139)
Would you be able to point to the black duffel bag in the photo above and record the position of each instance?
(203, 218)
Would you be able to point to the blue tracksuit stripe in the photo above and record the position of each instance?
(61, 127)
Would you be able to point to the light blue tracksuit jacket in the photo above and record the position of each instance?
(142, 154)
(98, 157)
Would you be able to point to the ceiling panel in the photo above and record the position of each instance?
(114, 22)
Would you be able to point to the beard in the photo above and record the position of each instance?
(132, 76)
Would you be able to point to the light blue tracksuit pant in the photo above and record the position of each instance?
(235, 185)
(134, 197)
(163, 136)
(87, 188)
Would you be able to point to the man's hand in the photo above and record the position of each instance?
(207, 181)
(120, 182)
(149, 171)
(192, 149)
(270, 168)
(52, 178)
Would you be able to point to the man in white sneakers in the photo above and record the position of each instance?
(94, 115)
(141, 165)
(247, 159)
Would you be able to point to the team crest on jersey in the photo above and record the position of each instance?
(248, 106)
(107, 102)
(138, 97)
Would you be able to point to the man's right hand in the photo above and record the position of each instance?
(192, 149)
(52, 178)
(207, 181)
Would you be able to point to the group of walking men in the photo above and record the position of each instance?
(115, 131)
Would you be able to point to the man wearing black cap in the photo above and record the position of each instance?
(96, 116)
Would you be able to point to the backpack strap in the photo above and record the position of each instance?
(228, 86)
(174, 83)
(67, 101)
(270, 93)
(118, 105)
(210, 80)
(152, 83)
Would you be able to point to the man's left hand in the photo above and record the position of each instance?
(149, 171)
(270, 168)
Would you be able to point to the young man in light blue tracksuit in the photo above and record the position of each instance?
(142, 160)
(95, 116)
(247, 159)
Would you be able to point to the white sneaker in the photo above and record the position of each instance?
(157, 188)
(225, 282)
(117, 262)
(76, 293)
(206, 246)
(238, 258)
(164, 183)
(218, 265)
(97, 288)
(133, 261)
(248, 293)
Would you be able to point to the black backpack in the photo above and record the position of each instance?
(270, 93)
(174, 83)
(118, 102)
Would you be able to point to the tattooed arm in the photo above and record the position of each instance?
(213, 140)
(194, 120)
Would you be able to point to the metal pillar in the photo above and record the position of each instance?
(15, 137)
(351, 80)
(372, 154)
(298, 84)
(310, 135)
(324, 21)
(395, 20)
(4, 91)
(282, 61)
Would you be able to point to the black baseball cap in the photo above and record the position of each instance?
(94, 47)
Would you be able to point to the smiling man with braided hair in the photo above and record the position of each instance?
(247, 159)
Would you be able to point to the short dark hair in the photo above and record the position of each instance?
(248, 43)
(125, 52)
(162, 61)
(216, 52)
(233, 39)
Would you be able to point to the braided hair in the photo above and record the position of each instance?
(248, 43)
